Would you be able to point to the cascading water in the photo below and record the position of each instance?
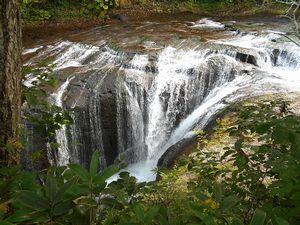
(138, 104)
(183, 81)
(62, 156)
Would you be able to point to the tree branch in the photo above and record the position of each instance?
(286, 36)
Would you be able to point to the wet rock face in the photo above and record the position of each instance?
(34, 140)
(275, 55)
(95, 118)
(108, 106)
(242, 57)
(109, 111)
(172, 153)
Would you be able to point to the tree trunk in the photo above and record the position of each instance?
(10, 81)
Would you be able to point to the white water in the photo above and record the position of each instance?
(172, 66)
(144, 170)
(135, 118)
(31, 50)
(207, 23)
(70, 54)
(174, 87)
(212, 104)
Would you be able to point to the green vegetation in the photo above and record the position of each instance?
(50, 9)
(253, 181)
(39, 10)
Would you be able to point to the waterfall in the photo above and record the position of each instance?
(132, 104)
(223, 80)
(184, 79)
(135, 105)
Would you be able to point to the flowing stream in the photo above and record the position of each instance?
(137, 94)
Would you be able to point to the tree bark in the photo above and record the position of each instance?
(10, 81)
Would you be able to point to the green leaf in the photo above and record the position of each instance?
(61, 191)
(162, 217)
(238, 144)
(229, 202)
(2, 222)
(202, 196)
(151, 214)
(33, 201)
(227, 153)
(139, 212)
(80, 171)
(94, 163)
(258, 217)
(281, 221)
(105, 174)
(218, 191)
(63, 208)
(236, 221)
(263, 127)
(51, 187)
(19, 216)
(97, 188)
(2, 212)
(39, 217)
(77, 190)
(199, 212)
(281, 135)
(124, 175)
(129, 223)
(195, 224)
(79, 217)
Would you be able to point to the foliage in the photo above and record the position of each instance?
(40, 10)
(45, 118)
(62, 195)
(44, 10)
(267, 135)
(31, 13)
(99, 7)
(254, 181)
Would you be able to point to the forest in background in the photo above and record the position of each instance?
(40, 10)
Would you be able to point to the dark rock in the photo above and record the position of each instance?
(173, 152)
(191, 71)
(168, 158)
(231, 28)
(246, 58)
(119, 17)
(274, 56)
(35, 145)
(153, 58)
(151, 69)
(108, 112)
(246, 72)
